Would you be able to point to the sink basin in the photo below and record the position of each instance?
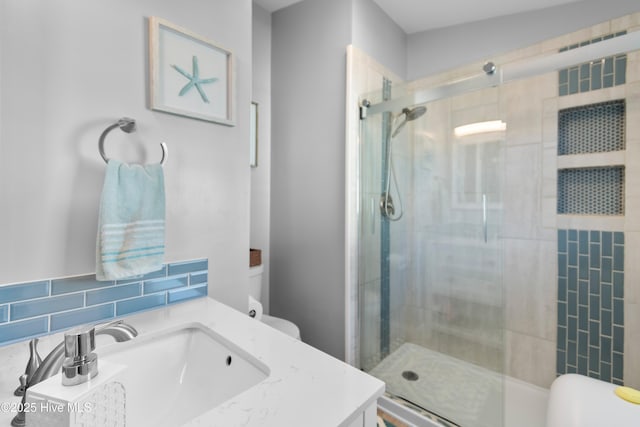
(174, 376)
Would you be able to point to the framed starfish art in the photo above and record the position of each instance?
(189, 75)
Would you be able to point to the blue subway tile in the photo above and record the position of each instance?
(621, 70)
(594, 359)
(572, 303)
(573, 80)
(563, 76)
(572, 328)
(159, 285)
(618, 311)
(608, 65)
(140, 304)
(562, 265)
(573, 235)
(594, 305)
(572, 279)
(563, 89)
(572, 370)
(562, 338)
(76, 284)
(561, 364)
(583, 292)
(617, 366)
(594, 236)
(618, 258)
(594, 282)
(23, 291)
(198, 278)
(153, 275)
(605, 349)
(585, 71)
(188, 267)
(607, 80)
(562, 241)
(606, 322)
(594, 255)
(594, 333)
(582, 365)
(605, 371)
(16, 331)
(583, 318)
(583, 242)
(82, 316)
(583, 343)
(618, 285)
(606, 295)
(606, 270)
(573, 254)
(562, 314)
(32, 308)
(114, 293)
(4, 313)
(562, 289)
(616, 381)
(596, 76)
(583, 267)
(618, 238)
(618, 339)
(179, 295)
(572, 353)
(607, 243)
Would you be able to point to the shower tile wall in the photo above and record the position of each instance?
(591, 304)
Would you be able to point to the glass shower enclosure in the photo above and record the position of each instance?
(430, 287)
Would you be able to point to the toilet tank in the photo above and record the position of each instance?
(255, 281)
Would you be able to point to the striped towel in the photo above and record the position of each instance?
(131, 223)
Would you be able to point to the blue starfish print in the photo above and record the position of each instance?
(194, 80)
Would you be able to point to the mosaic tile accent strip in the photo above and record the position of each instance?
(385, 240)
(591, 191)
(594, 128)
(591, 304)
(594, 75)
(32, 309)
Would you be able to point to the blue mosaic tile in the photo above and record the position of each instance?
(198, 278)
(16, 331)
(24, 291)
(158, 285)
(180, 295)
(33, 308)
(140, 304)
(153, 275)
(591, 191)
(4, 313)
(114, 293)
(188, 267)
(81, 316)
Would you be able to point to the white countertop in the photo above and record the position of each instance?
(305, 386)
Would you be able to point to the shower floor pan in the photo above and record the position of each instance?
(463, 393)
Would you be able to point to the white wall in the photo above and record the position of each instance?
(434, 51)
(68, 70)
(261, 175)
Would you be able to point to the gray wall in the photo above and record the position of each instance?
(307, 169)
(309, 41)
(434, 51)
(261, 175)
(70, 68)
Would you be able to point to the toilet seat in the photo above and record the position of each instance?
(282, 325)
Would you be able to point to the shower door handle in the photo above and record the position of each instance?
(484, 216)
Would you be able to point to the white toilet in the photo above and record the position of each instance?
(255, 305)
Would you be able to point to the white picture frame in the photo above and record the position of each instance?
(189, 75)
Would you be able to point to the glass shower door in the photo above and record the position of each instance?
(431, 292)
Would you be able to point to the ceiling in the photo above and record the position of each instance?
(421, 15)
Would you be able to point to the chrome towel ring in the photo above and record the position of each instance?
(127, 125)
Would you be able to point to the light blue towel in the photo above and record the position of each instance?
(131, 223)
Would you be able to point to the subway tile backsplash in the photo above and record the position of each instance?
(36, 308)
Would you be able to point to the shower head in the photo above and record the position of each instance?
(410, 114)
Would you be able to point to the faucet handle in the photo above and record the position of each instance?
(79, 343)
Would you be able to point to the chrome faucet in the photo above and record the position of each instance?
(52, 364)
